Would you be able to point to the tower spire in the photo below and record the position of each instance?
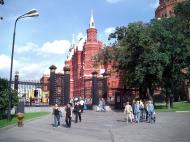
(73, 40)
(91, 23)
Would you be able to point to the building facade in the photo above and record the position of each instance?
(80, 61)
(52, 86)
(81, 65)
(165, 8)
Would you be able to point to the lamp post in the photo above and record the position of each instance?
(31, 13)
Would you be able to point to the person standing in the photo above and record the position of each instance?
(68, 115)
(137, 112)
(151, 111)
(77, 110)
(82, 105)
(128, 112)
(56, 111)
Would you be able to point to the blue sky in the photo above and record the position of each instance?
(45, 40)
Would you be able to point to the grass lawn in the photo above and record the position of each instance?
(178, 106)
(27, 116)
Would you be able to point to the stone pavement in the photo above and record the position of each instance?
(103, 127)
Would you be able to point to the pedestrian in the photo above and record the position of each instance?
(133, 107)
(128, 112)
(56, 113)
(68, 115)
(141, 106)
(77, 110)
(151, 112)
(82, 105)
(103, 105)
(137, 112)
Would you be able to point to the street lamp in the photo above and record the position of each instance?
(31, 13)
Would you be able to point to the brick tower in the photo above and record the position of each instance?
(81, 63)
(165, 8)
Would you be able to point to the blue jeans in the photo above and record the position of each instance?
(137, 117)
(56, 120)
(150, 117)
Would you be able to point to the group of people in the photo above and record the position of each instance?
(75, 108)
(140, 111)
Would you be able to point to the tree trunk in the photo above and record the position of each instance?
(168, 103)
(168, 99)
(142, 93)
(171, 101)
(150, 94)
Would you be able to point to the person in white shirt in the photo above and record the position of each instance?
(128, 112)
(82, 105)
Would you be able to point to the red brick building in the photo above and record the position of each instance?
(165, 8)
(54, 83)
(80, 61)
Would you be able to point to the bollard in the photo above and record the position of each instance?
(20, 117)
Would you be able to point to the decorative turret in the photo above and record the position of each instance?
(91, 23)
(91, 32)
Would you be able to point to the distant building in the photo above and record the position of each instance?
(165, 8)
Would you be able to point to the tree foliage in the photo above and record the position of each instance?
(4, 95)
(151, 55)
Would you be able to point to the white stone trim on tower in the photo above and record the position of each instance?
(91, 23)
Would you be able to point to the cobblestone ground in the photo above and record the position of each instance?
(103, 127)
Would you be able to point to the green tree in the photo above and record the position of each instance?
(182, 11)
(103, 57)
(170, 35)
(4, 94)
(140, 63)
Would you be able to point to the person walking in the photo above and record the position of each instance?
(77, 110)
(56, 113)
(68, 115)
(141, 106)
(128, 112)
(137, 112)
(151, 112)
(82, 105)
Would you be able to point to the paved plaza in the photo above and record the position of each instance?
(103, 127)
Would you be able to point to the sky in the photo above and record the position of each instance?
(45, 40)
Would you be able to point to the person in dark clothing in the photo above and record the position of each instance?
(56, 114)
(68, 116)
(77, 110)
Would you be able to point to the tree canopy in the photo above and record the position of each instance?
(4, 94)
(151, 55)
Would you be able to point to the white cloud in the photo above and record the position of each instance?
(30, 71)
(56, 47)
(28, 47)
(109, 30)
(113, 1)
(31, 63)
(5, 62)
(80, 36)
(81, 44)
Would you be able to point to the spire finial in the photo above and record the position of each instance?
(73, 40)
(91, 23)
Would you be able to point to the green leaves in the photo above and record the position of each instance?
(153, 54)
(4, 95)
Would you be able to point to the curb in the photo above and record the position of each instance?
(182, 111)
